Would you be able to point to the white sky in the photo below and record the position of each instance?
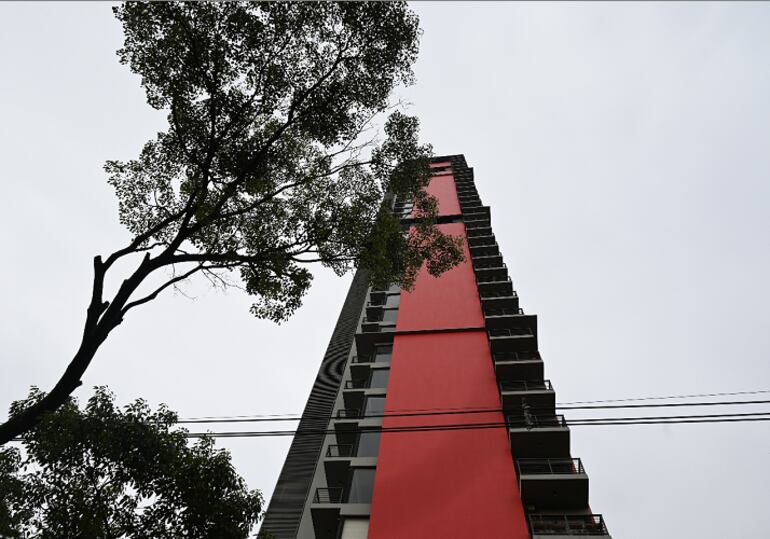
(623, 149)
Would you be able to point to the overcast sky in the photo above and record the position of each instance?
(624, 149)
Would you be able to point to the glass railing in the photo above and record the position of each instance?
(550, 466)
(567, 525)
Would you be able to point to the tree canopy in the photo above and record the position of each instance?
(108, 472)
(267, 165)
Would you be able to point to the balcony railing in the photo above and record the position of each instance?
(526, 385)
(567, 525)
(532, 421)
(510, 332)
(493, 277)
(549, 467)
(329, 495)
(503, 311)
(517, 356)
(342, 450)
(492, 261)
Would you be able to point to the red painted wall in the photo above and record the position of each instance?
(443, 188)
(449, 301)
(448, 484)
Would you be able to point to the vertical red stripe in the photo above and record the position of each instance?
(449, 301)
(444, 483)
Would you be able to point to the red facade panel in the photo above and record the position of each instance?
(443, 188)
(446, 302)
(447, 483)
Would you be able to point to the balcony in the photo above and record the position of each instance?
(479, 241)
(537, 394)
(488, 249)
(354, 398)
(340, 459)
(498, 274)
(499, 300)
(513, 319)
(566, 526)
(480, 231)
(366, 341)
(475, 221)
(328, 507)
(553, 483)
(502, 287)
(485, 262)
(478, 211)
(471, 206)
(514, 339)
(534, 436)
(526, 365)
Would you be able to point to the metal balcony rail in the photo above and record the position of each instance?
(491, 262)
(342, 450)
(567, 525)
(517, 356)
(532, 421)
(526, 385)
(491, 278)
(480, 231)
(329, 495)
(470, 204)
(362, 383)
(510, 332)
(497, 294)
(348, 413)
(481, 241)
(549, 467)
(503, 311)
(497, 280)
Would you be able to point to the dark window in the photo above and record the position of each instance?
(379, 378)
(383, 352)
(361, 485)
(374, 406)
(368, 444)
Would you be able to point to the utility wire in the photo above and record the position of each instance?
(695, 395)
(460, 411)
(655, 420)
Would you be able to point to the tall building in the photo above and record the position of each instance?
(430, 416)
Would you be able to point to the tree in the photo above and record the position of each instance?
(106, 472)
(265, 167)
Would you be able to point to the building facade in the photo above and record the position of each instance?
(430, 415)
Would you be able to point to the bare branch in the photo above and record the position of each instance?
(160, 289)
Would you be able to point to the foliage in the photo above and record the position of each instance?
(260, 171)
(265, 167)
(107, 472)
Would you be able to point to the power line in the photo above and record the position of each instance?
(695, 395)
(461, 411)
(655, 420)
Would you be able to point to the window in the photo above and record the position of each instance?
(374, 406)
(368, 444)
(383, 352)
(379, 379)
(361, 485)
